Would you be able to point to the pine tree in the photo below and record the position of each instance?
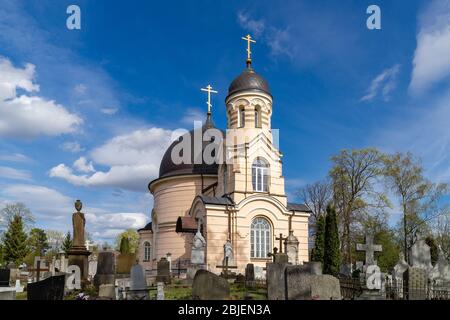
(15, 241)
(67, 243)
(38, 241)
(125, 245)
(332, 258)
(319, 245)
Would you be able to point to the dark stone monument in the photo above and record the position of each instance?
(209, 286)
(124, 262)
(51, 288)
(105, 269)
(301, 284)
(163, 271)
(78, 254)
(275, 281)
(250, 276)
(4, 277)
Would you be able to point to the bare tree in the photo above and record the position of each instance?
(15, 209)
(354, 174)
(420, 199)
(316, 196)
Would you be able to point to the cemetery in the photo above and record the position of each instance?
(105, 277)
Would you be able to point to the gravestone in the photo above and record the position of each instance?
(302, 285)
(420, 256)
(163, 271)
(107, 291)
(138, 284)
(291, 244)
(440, 275)
(4, 277)
(19, 287)
(259, 273)
(209, 286)
(369, 248)
(397, 275)
(250, 276)
(51, 288)
(160, 291)
(417, 283)
(276, 286)
(73, 280)
(124, 262)
(280, 258)
(105, 269)
(92, 268)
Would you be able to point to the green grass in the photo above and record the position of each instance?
(237, 292)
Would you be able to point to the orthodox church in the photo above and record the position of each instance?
(237, 209)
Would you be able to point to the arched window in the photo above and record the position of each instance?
(147, 251)
(260, 175)
(241, 117)
(257, 117)
(260, 238)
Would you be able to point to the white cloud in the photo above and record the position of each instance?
(382, 84)
(193, 115)
(72, 146)
(29, 116)
(431, 62)
(15, 157)
(80, 89)
(14, 174)
(82, 165)
(109, 111)
(133, 160)
(256, 27)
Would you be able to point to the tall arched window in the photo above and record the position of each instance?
(241, 117)
(257, 117)
(147, 251)
(260, 175)
(260, 238)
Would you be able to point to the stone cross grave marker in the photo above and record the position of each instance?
(38, 270)
(281, 239)
(226, 267)
(369, 248)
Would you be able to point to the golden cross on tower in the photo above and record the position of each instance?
(249, 40)
(210, 90)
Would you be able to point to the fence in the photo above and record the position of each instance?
(352, 288)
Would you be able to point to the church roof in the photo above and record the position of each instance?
(298, 207)
(216, 200)
(148, 226)
(249, 80)
(168, 168)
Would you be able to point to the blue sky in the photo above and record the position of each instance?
(88, 113)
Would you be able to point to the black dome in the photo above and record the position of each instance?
(249, 80)
(168, 168)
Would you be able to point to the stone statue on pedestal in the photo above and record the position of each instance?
(78, 254)
(198, 248)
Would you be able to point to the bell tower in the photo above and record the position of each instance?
(253, 162)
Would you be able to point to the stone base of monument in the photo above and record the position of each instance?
(371, 295)
(79, 256)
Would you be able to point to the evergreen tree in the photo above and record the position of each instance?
(332, 258)
(67, 243)
(125, 245)
(319, 245)
(37, 241)
(15, 241)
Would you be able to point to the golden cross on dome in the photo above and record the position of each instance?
(210, 90)
(249, 40)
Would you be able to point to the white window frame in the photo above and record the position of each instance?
(147, 251)
(260, 238)
(260, 175)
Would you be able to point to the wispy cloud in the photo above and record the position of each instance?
(192, 115)
(14, 174)
(15, 157)
(71, 146)
(383, 84)
(431, 62)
